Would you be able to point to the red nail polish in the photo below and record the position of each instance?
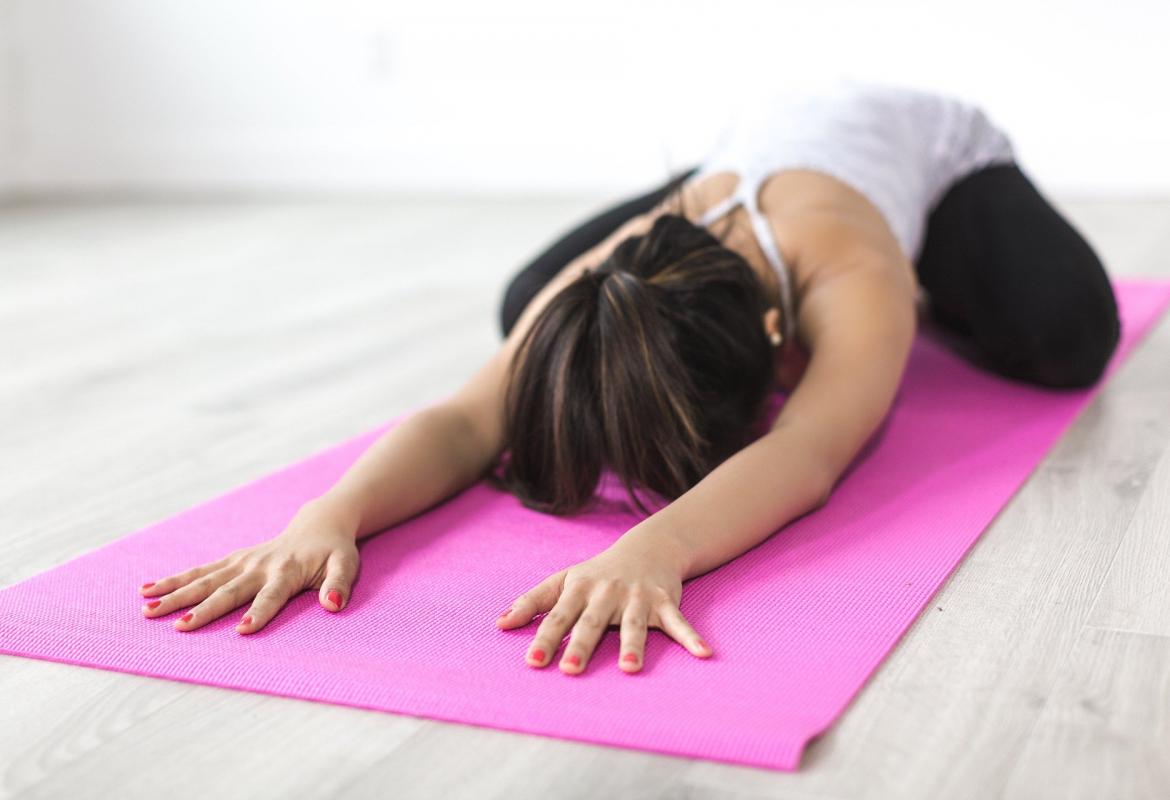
(147, 585)
(574, 659)
(246, 620)
(154, 604)
(631, 657)
(538, 655)
(187, 617)
(334, 597)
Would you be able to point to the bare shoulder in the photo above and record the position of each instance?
(823, 228)
(821, 224)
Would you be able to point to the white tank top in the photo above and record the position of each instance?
(901, 148)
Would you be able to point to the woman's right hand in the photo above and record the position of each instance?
(317, 550)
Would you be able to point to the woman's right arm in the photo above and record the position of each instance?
(429, 456)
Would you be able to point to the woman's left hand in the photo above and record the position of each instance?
(623, 585)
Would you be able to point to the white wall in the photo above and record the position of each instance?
(532, 95)
(7, 78)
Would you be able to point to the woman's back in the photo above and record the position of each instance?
(898, 147)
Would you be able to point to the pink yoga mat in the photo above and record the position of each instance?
(797, 624)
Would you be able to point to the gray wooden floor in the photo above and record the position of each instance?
(156, 354)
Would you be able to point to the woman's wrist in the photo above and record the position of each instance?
(657, 541)
(339, 509)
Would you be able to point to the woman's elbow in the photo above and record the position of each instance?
(822, 488)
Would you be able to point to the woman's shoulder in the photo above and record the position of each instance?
(818, 221)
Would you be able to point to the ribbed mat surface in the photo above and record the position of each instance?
(797, 624)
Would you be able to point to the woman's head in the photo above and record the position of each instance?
(654, 364)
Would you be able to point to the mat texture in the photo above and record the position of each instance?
(797, 624)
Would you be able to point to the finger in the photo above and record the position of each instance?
(271, 598)
(538, 599)
(553, 627)
(190, 594)
(227, 597)
(589, 629)
(635, 620)
(674, 624)
(172, 582)
(340, 570)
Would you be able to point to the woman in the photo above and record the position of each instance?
(644, 342)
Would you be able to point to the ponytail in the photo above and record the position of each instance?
(655, 365)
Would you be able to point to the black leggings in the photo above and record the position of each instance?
(1007, 278)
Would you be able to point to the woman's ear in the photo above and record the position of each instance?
(772, 325)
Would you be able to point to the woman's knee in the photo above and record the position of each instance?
(1045, 303)
(1065, 346)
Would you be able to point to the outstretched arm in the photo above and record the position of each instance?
(861, 325)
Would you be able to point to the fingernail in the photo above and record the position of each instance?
(538, 655)
(703, 645)
(631, 657)
(148, 585)
(334, 597)
(154, 604)
(246, 620)
(506, 613)
(187, 617)
(574, 659)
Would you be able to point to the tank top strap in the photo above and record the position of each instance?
(767, 242)
(745, 192)
(722, 207)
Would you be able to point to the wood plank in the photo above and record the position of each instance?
(91, 733)
(1105, 728)
(1135, 596)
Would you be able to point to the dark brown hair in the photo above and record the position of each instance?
(655, 364)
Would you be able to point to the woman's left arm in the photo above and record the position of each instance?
(860, 324)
